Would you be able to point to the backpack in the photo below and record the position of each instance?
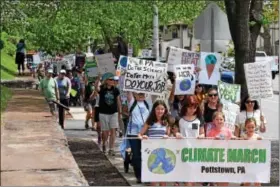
(135, 103)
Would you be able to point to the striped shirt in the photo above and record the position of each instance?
(157, 130)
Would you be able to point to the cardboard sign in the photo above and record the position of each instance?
(185, 79)
(230, 111)
(145, 76)
(259, 80)
(105, 63)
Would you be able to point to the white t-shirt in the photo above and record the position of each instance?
(242, 116)
(254, 137)
(189, 129)
(138, 117)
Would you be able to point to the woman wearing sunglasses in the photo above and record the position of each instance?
(249, 109)
(209, 107)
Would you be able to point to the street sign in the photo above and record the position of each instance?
(212, 24)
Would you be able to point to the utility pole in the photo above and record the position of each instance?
(155, 34)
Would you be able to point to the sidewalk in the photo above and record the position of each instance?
(34, 149)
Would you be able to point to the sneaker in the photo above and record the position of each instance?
(99, 140)
(104, 149)
(111, 152)
(86, 125)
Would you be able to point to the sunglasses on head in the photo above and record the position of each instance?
(250, 102)
(213, 95)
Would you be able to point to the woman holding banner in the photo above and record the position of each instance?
(209, 107)
(138, 114)
(249, 109)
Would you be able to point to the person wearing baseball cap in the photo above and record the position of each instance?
(49, 88)
(64, 87)
(109, 111)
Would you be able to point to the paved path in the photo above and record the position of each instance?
(34, 150)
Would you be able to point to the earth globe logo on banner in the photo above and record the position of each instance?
(161, 161)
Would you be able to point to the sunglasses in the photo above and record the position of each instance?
(198, 86)
(212, 95)
(110, 79)
(250, 102)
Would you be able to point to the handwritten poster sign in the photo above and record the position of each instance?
(36, 59)
(145, 76)
(189, 57)
(230, 111)
(175, 57)
(229, 92)
(210, 65)
(259, 80)
(105, 63)
(185, 79)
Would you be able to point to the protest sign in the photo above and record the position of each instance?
(91, 70)
(105, 63)
(146, 53)
(189, 57)
(123, 94)
(145, 76)
(185, 79)
(229, 92)
(122, 64)
(195, 160)
(174, 57)
(210, 65)
(259, 80)
(36, 59)
(230, 111)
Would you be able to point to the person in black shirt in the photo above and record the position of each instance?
(109, 111)
(80, 59)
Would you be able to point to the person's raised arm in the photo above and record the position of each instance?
(172, 93)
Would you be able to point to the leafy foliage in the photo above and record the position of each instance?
(63, 25)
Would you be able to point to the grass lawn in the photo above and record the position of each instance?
(8, 67)
(6, 94)
(8, 71)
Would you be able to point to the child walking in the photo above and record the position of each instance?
(250, 126)
(220, 132)
(191, 125)
(156, 125)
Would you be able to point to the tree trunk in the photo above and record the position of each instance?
(240, 13)
(266, 40)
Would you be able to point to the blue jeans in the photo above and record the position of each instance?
(135, 145)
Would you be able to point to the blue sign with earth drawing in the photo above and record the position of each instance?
(122, 64)
(161, 161)
(185, 79)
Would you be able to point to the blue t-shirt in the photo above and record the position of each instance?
(136, 122)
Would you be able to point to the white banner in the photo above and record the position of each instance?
(105, 63)
(259, 80)
(194, 160)
(185, 79)
(145, 76)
